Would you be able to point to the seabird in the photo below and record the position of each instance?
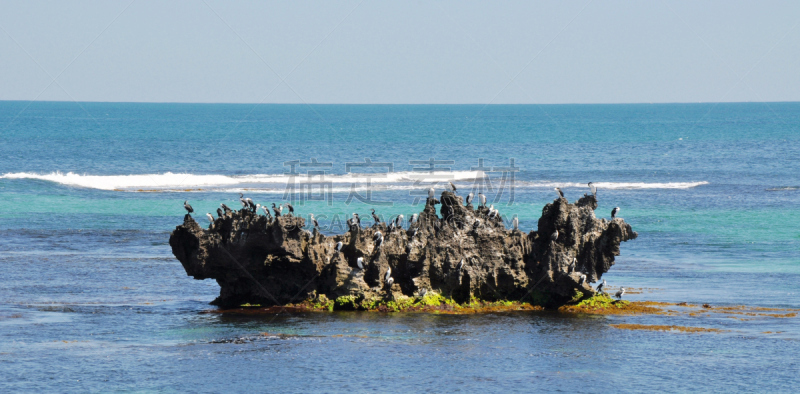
(378, 238)
(422, 293)
(187, 206)
(266, 211)
(476, 224)
(620, 293)
(309, 233)
(593, 189)
(430, 193)
(413, 232)
(515, 223)
(276, 210)
(357, 219)
(414, 218)
(389, 282)
(256, 210)
(390, 227)
(291, 208)
(554, 236)
(280, 208)
(314, 221)
(453, 186)
(225, 208)
(375, 217)
(339, 246)
(399, 221)
(360, 263)
(573, 264)
(560, 193)
(220, 213)
(600, 286)
(460, 265)
(469, 198)
(388, 273)
(583, 280)
(483, 199)
(210, 218)
(614, 212)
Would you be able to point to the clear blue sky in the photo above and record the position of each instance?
(400, 51)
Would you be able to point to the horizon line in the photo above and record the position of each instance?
(387, 104)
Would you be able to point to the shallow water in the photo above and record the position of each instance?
(91, 298)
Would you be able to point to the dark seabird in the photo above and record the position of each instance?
(476, 224)
(291, 208)
(583, 280)
(554, 236)
(225, 208)
(620, 293)
(360, 263)
(389, 282)
(593, 189)
(276, 210)
(339, 246)
(600, 286)
(220, 212)
(469, 198)
(399, 221)
(560, 193)
(460, 265)
(187, 206)
(266, 212)
(453, 186)
(375, 217)
(378, 238)
(614, 212)
(314, 221)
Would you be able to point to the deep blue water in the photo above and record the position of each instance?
(91, 298)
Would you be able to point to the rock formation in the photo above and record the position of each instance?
(275, 261)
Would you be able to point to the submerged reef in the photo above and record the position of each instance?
(466, 255)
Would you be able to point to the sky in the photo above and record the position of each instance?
(388, 52)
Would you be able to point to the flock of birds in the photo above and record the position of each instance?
(397, 223)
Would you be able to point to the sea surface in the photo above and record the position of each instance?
(92, 300)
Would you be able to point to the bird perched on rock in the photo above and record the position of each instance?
(453, 186)
(554, 236)
(360, 263)
(476, 224)
(573, 264)
(430, 193)
(210, 218)
(314, 221)
(266, 212)
(378, 238)
(257, 207)
(560, 193)
(291, 208)
(413, 233)
(593, 189)
(389, 282)
(220, 212)
(620, 293)
(388, 273)
(339, 246)
(357, 219)
(422, 292)
(583, 280)
(460, 265)
(276, 210)
(188, 207)
(390, 227)
(225, 208)
(375, 217)
(614, 212)
(413, 219)
(600, 286)
(515, 223)
(469, 198)
(483, 199)
(399, 221)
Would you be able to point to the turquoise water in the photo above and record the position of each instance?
(91, 298)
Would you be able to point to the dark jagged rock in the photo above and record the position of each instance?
(274, 261)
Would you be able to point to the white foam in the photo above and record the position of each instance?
(270, 183)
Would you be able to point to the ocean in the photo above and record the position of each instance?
(91, 298)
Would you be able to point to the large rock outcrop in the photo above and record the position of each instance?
(269, 261)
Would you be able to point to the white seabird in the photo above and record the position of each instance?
(483, 199)
(360, 263)
(339, 246)
(470, 196)
(515, 223)
(593, 188)
(620, 293)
